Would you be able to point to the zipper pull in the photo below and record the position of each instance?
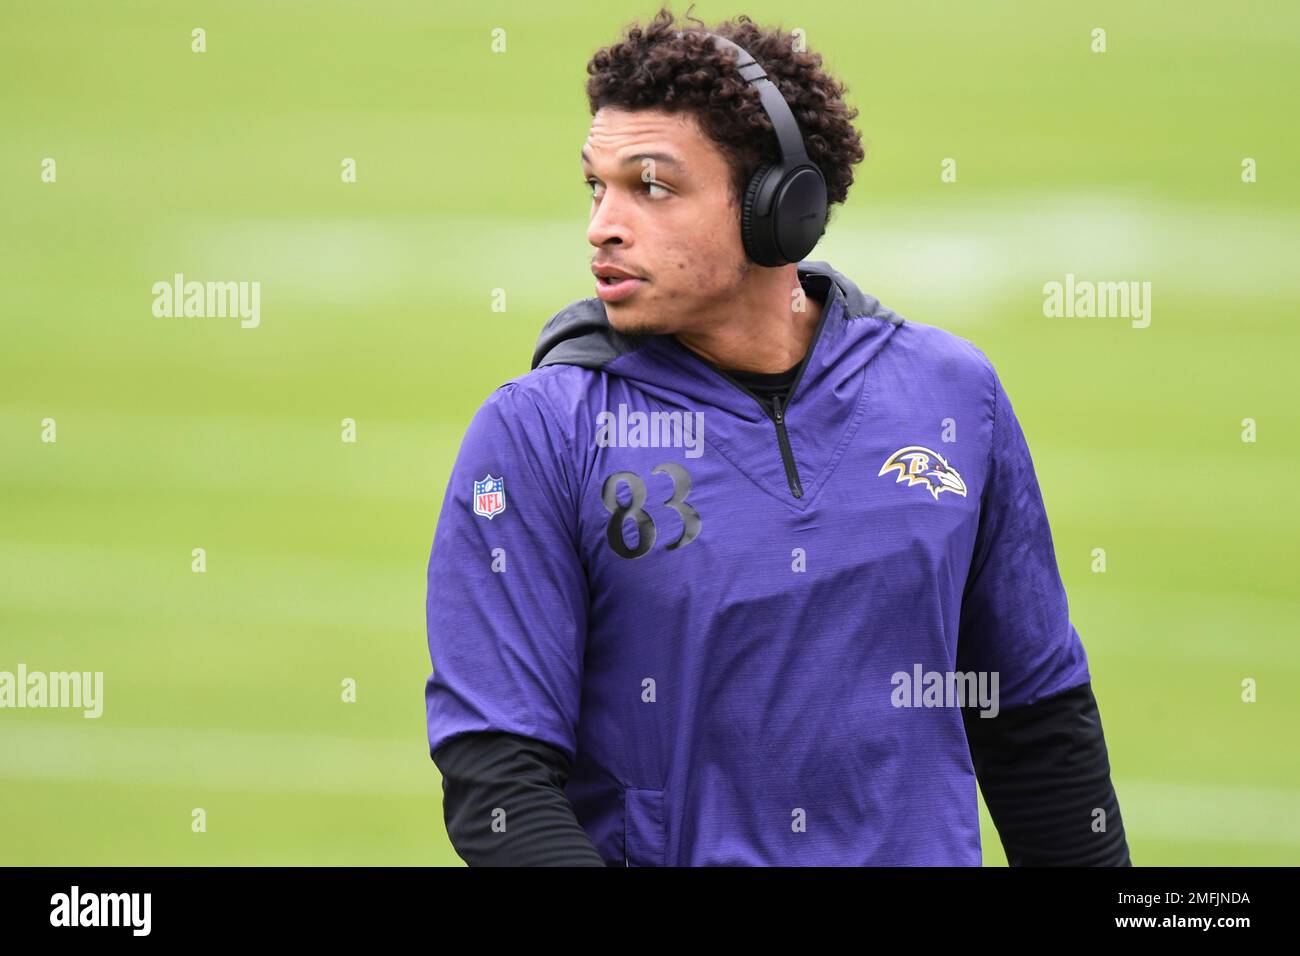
(776, 406)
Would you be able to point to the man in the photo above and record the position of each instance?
(748, 570)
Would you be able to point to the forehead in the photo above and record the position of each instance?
(616, 134)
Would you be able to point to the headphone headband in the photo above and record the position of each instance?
(783, 210)
(774, 104)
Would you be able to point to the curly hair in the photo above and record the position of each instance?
(678, 69)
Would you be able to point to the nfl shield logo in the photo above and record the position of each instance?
(490, 496)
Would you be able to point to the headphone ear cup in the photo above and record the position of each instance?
(798, 213)
(756, 234)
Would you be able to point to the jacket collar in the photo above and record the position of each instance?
(824, 405)
(580, 333)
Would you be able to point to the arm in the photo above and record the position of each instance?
(1041, 763)
(507, 623)
(488, 777)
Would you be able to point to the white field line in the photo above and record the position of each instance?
(202, 759)
(955, 253)
(1191, 813)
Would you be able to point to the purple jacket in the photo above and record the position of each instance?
(750, 629)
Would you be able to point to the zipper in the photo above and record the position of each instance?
(783, 440)
(777, 414)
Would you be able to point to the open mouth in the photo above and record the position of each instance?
(616, 288)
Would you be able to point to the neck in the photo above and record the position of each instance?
(768, 327)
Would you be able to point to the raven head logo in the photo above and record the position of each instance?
(921, 466)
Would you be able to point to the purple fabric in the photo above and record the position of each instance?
(720, 706)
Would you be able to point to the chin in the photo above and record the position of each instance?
(628, 320)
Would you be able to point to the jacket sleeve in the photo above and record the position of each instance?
(1015, 620)
(1041, 758)
(507, 595)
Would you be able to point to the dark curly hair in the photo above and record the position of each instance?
(655, 67)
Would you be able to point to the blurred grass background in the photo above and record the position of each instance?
(222, 690)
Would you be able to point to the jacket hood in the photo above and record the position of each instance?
(580, 333)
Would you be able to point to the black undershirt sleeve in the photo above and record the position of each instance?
(1043, 769)
(504, 802)
(1044, 772)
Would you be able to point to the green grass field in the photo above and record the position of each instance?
(222, 689)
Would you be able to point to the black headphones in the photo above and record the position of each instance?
(783, 213)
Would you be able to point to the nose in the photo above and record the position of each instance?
(610, 221)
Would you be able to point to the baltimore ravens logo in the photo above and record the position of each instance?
(921, 466)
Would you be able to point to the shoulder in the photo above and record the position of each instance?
(939, 352)
(942, 366)
(557, 393)
(538, 415)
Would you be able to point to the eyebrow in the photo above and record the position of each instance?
(668, 159)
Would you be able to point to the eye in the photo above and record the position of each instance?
(650, 186)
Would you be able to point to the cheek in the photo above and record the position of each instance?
(695, 266)
(706, 250)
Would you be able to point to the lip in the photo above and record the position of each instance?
(619, 290)
(609, 269)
